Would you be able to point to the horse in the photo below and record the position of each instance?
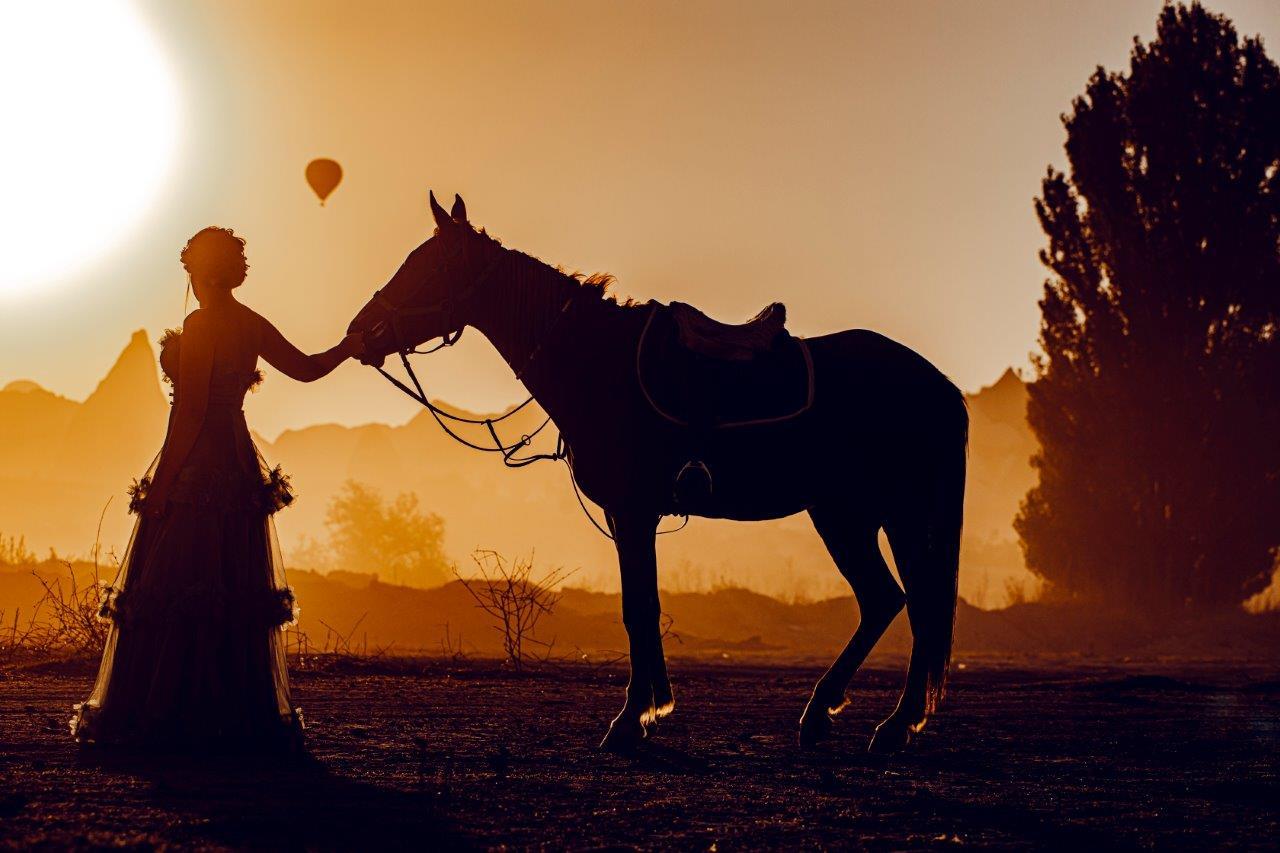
(882, 445)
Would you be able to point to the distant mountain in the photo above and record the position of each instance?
(1000, 474)
(122, 424)
(61, 460)
(29, 415)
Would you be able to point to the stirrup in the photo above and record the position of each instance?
(693, 484)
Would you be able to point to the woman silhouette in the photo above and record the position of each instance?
(194, 656)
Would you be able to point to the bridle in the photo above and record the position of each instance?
(396, 314)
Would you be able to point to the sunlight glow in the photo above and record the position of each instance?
(90, 110)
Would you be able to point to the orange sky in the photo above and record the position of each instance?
(871, 164)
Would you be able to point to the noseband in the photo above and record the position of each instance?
(396, 314)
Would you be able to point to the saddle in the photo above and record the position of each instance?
(701, 373)
(726, 341)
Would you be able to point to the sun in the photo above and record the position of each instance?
(91, 119)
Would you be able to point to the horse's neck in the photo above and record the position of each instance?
(552, 331)
(519, 306)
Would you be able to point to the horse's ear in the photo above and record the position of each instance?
(459, 210)
(442, 219)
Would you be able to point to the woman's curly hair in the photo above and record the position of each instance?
(216, 256)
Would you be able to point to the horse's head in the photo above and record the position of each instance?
(429, 296)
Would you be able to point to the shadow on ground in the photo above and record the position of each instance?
(294, 804)
(1107, 756)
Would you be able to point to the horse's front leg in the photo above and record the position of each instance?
(633, 534)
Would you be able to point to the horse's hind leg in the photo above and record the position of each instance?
(907, 541)
(926, 547)
(853, 544)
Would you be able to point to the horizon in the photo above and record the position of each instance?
(8, 385)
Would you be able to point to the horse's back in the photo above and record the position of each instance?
(886, 386)
(864, 357)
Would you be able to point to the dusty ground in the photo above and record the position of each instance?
(1125, 756)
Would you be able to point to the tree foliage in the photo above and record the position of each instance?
(1157, 397)
(392, 539)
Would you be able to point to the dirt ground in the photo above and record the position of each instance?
(1133, 755)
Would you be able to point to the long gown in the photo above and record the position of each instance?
(195, 655)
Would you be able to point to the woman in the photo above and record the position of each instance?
(195, 656)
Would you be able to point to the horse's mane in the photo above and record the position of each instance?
(601, 283)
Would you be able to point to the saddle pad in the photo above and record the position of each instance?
(691, 389)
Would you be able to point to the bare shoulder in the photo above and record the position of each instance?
(198, 323)
(264, 329)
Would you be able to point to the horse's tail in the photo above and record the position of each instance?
(938, 580)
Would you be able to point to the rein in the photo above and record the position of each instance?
(396, 312)
(508, 451)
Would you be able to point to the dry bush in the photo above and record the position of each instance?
(16, 642)
(451, 647)
(337, 647)
(508, 592)
(67, 619)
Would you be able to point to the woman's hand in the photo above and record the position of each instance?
(352, 345)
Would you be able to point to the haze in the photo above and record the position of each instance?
(870, 164)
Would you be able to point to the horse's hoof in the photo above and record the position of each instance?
(890, 738)
(664, 701)
(623, 737)
(815, 726)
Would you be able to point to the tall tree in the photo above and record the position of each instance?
(1157, 396)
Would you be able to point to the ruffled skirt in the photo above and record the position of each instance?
(195, 656)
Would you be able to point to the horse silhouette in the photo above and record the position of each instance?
(859, 431)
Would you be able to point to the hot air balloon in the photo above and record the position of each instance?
(323, 175)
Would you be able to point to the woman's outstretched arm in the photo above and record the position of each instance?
(296, 364)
